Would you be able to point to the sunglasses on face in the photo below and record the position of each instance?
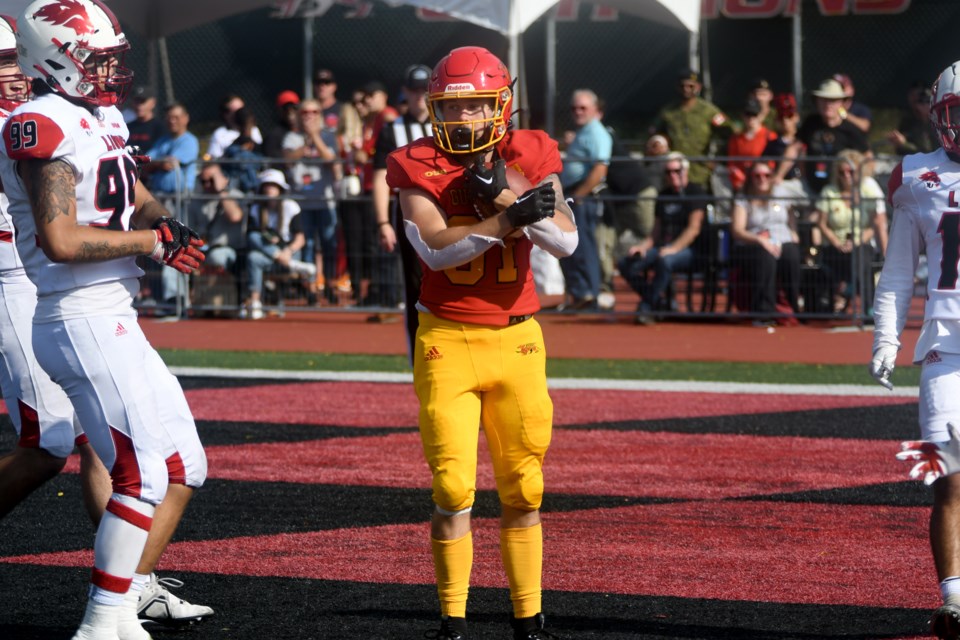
(310, 111)
(670, 170)
(322, 81)
(762, 174)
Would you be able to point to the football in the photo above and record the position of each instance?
(517, 182)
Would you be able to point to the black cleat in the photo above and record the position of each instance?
(945, 622)
(450, 629)
(531, 628)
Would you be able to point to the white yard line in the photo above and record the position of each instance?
(568, 383)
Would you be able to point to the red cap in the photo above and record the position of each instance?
(287, 97)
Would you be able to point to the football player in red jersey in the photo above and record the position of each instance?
(479, 356)
(81, 218)
(924, 194)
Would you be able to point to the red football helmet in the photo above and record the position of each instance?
(14, 86)
(945, 109)
(470, 73)
(77, 48)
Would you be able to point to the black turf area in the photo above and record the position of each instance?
(46, 603)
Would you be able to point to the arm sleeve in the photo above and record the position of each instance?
(895, 289)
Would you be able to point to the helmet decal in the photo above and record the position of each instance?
(69, 13)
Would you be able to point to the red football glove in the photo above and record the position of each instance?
(933, 459)
(177, 245)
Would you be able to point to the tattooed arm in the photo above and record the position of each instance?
(51, 186)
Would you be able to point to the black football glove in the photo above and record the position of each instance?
(484, 182)
(177, 245)
(533, 206)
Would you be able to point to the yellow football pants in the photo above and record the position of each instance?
(467, 376)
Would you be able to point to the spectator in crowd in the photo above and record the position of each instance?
(766, 249)
(828, 132)
(173, 159)
(242, 160)
(274, 240)
(787, 179)
(914, 133)
(287, 120)
(172, 172)
(762, 92)
(691, 125)
(750, 142)
(224, 135)
(313, 152)
(584, 170)
(680, 215)
(221, 216)
(145, 128)
(409, 127)
(845, 235)
(358, 219)
(856, 113)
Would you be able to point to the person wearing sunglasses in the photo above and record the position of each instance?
(853, 235)
(766, 251)
(673, 245)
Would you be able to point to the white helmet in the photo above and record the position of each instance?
(61, 42)
(945, 108)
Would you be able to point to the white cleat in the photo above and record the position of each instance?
(159, 606)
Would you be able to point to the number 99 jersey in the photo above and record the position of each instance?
(92, 144)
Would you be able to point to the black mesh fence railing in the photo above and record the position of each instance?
(777, 256)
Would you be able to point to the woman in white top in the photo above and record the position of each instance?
(766, 245)
(853, 222)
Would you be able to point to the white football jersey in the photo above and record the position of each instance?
(925, 193)
(11, 267)
(93, 145)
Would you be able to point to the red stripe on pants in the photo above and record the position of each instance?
(128, 514)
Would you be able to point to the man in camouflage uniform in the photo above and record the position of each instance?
(690, 125)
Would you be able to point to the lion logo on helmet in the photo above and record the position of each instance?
(68, 13)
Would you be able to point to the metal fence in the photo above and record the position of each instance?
(714, 288)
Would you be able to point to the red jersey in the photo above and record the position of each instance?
(499, 283)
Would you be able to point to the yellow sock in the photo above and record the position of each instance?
(522, 554)
(452, 562)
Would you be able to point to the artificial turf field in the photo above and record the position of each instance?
(685, 513)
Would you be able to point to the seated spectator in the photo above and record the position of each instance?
(222, 217)
(845, 234)
(750, 142)
(313, 150)
(680, 214)
(914, 134)
(765, 250)
(828, 132)
(274, 240)
(226, 133)
(787, 178)
(854, 112)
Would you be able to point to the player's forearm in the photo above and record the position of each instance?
(146, 209)
(91, 244)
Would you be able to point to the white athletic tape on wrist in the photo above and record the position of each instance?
(158, 251)
(551, 238)
(454, 255)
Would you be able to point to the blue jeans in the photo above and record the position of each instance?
(581, 270)
(635, 270)
(321, 223)
(260, 260)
